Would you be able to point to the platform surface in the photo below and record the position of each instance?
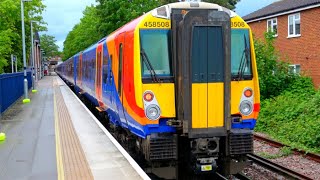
(56, 137)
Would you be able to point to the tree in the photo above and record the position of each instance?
(48, 44)
(83, 34)
(10, 29)
(115, 13)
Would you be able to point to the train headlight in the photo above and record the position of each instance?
(246, 108)
(153, 112)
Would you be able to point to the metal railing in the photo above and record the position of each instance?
(11, 88)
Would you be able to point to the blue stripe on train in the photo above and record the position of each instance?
(244, 124)
(117, 114)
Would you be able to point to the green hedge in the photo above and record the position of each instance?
(293, 118)
(290, 106)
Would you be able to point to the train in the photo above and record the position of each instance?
(179, 82)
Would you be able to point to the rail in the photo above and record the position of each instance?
(288, 173)
(241, 176)
(273, 143)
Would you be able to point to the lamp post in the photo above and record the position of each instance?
(38, 61)
(41, 62)
(32, 56)
(26, 99)
(35, 57)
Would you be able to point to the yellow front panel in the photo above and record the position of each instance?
(215, 105)
(165, 96)
(199, 105)
(147, 22)
(237, 88)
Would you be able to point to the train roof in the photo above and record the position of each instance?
(155, 12)
(189, 5)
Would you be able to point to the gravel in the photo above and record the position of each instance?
(257, 172)
(295, 162)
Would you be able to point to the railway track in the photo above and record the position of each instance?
(239, 176)
(273, 143)
(281, 170)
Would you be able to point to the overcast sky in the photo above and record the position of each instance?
(62, 15)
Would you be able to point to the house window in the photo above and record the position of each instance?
(272, 26)
(294, 68)
(294, 25)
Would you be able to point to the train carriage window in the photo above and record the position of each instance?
(78, 68)
(120, 68)
(92, 68)
(86, 70)
(110, 62)
(105, 60)
(110, 70)
(105, 68)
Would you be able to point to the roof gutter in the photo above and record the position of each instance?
(283, 13)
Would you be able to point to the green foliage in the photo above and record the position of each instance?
(290, 106)
(48, 44)
(274, 76)
(115, 13)
(284, 151)
(293, 118)
(83, 34)
(10, 29)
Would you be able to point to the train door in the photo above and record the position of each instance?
(80, 71)
(121, 55)
(110, 81)
(201, 42)
(98, 85)
(75, 69)
(105, 76)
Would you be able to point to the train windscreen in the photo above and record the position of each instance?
(240, 54)
(155, 53)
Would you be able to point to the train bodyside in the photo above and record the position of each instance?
(160, 77)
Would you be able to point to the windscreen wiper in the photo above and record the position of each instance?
(244, 59)
(149, 66)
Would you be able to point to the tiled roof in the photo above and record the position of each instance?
(279, 7)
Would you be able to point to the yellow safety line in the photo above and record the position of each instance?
(58, 145)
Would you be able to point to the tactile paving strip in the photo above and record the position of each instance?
(74, 164)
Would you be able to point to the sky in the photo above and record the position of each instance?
(62, 15)
(245, 7)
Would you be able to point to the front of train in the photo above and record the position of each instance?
(196, 72)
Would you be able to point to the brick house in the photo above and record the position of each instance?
(297, 27)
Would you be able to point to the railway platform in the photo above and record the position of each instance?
(56, 137)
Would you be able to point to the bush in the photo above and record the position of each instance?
(274, 76)
(290, 106)
(293, 118)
